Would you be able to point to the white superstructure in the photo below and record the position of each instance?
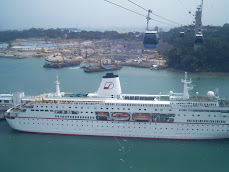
(108, 112)
(9, 100)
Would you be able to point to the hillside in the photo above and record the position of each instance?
(213, 56)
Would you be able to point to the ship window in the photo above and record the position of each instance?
(32, 110)
(42, 110)
(37, 110)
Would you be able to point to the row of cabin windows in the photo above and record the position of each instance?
(56, 111)
(66, 112)
(74, 117)
(96, 108)
(197, 104)
(59, 111)
(56, 107)
(138, 98)
(112, 104)
(41, 110)
(119, 104)
(207, 121)
(77, 112)
(222, 111)
(5, 101)
(136, 131)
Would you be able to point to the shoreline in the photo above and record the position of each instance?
(199, 73)
(135, 66)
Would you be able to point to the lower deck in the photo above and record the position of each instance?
(120, 128)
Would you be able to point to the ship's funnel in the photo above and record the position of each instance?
(110, 86)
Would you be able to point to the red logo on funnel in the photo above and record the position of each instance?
(108, 85)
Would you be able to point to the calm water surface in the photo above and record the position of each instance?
(39, 152)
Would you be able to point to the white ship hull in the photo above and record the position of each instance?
(121, 128)
(173, 116)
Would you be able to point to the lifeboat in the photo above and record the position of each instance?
(120, 116)
(142, 117)
(102, 114)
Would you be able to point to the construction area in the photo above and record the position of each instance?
(86, 51)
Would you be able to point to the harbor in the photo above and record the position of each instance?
(124, 157)
(65, 53)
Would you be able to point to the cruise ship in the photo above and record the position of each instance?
(109, 112)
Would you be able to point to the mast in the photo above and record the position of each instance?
(186, 87)
(57, 93)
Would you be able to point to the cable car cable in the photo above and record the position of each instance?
(137, 13)
(137, 5)
(125, 8)
(183, 6)
(153, 13)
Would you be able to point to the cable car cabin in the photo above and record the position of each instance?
(199, 39)
(151, 39)
(182, 34)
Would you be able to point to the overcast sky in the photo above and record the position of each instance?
(23, 14)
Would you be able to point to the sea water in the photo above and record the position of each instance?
(44, 152)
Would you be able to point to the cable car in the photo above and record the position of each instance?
(151, 39)
(199, 39)
(182, 34)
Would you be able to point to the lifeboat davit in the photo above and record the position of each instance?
(120, 116)
(142, 117)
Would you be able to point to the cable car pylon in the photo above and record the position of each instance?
(199, 40)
